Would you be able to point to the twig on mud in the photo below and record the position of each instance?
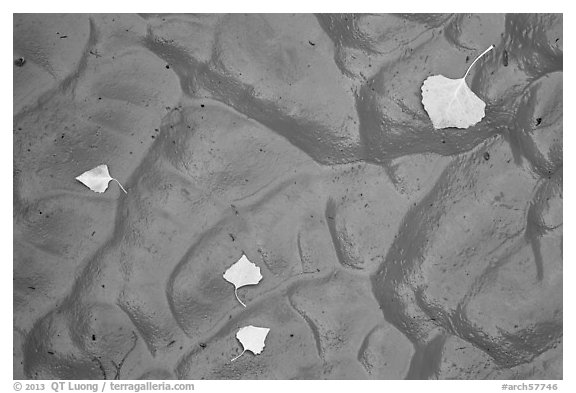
(119, 365)
(100, 365)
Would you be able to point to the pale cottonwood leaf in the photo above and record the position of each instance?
(450, 102)
(242, 273)
(252, 339)
(97, 179)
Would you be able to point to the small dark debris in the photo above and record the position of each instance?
(443, 141)
(51, 353)
(153, 136)
(93, 337)
(63, 36)
(171, 343)
(167, 67)
(202, 345)
(505, 58)
(99, 98)
(467, 59)
(202, 105)
(33, 288)
(20, 62)
(232, 237)
(538, 121)
(291, 335)
(486, 156)
(311, 43)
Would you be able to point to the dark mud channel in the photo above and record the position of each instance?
(389, 249)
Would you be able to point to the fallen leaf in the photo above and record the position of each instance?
(242, 273)
(450, 102)
(97, 179)
(252, 339)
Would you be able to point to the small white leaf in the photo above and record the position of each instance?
(97, 179)
(252, 339)
(242, 273)
(450, 102)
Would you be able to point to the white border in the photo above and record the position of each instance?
(290, 6)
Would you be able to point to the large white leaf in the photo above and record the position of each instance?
(450, 102)
(252, 339)
(97, 179)
(242, 273)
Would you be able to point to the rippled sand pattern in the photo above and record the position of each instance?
(389, 249)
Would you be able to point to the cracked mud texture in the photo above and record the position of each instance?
(389, 249)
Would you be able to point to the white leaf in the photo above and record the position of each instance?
(450, 102)
(242, 273)
(252, 339)
(97, 179)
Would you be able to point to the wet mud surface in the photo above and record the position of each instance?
(389, 249)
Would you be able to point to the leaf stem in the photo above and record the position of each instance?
(242, 353)
(475, 60)
(120, 185)
(236, 293)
